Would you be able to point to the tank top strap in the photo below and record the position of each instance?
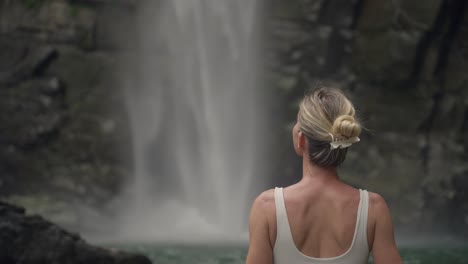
(283, 233)
(361, 238)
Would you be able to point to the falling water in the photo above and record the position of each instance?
(194, 105)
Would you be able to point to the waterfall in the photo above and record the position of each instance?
(195, 111)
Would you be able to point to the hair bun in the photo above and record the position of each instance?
(346, 126)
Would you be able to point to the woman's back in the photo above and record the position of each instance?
(316, 224)
(322, 219)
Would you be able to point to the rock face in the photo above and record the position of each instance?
(60, 112)
(31, 239)
(404, 64)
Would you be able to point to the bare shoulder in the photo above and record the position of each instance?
(265, 201)
(382, 240)
(378, 204)
(263, 216)
(379, 216)
(376, 199)
(378, 209)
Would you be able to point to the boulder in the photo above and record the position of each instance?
(31, 239)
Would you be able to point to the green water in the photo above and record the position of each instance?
(236, 255)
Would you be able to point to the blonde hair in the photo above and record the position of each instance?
(325, 113)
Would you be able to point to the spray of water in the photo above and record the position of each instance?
(194, 105)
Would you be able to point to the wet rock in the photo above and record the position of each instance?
(60, 116)
(31, 239)
(30, 62)
(40, 107)
(384, 56)
(376, 15)
(49, 21)
(419, 15)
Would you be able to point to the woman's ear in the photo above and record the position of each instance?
(302, 140)
(301, 144)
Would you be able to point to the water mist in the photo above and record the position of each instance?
(195, 108)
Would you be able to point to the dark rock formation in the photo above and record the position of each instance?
(404, 64)
(60, 113)
(32, 240)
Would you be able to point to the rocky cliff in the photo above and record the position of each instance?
(61, 114)
(404, 64)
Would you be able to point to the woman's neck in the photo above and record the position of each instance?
(315, 173)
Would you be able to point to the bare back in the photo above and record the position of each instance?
(322, 219)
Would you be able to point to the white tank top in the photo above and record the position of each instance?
(286, 252)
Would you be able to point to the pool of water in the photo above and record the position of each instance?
(165, 254)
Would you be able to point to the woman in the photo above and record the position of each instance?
(321, 219)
